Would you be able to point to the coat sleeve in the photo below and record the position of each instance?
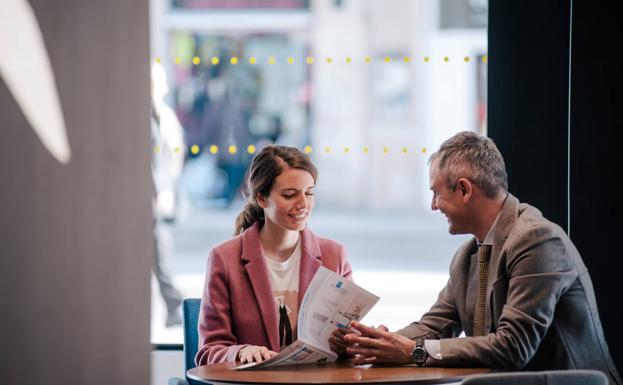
(441, 321)
(539, 273)
(217, 342)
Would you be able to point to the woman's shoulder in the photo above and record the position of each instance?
(248, 240)
(326, 245)
(227, 248)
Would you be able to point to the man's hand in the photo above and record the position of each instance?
(253, 353)
(378, 346)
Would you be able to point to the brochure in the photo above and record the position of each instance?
(331, 301)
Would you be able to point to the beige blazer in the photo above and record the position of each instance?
(541, 309)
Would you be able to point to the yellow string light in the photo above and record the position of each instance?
(213, 149)
(194, 149)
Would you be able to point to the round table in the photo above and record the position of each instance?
(334, 373)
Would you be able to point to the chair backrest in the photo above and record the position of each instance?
(190, 308)
(548, 377)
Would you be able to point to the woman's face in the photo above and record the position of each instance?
(290, 201)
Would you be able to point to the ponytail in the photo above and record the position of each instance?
(251, 213)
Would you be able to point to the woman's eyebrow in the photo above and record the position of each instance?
(295, 189)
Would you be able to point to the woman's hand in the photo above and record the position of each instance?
(253, 353)
(337, 343)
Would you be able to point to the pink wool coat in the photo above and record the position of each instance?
(237, 306)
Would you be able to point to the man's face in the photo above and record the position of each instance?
(450, 201)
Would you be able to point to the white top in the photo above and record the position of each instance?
(284, 278)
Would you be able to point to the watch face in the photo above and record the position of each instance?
(419, 355)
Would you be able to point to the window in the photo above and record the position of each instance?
(369, 88)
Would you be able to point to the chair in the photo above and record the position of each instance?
(549, 377)
(190, 308)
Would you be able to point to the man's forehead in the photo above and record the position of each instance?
(435, 177)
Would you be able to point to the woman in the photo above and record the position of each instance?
(255, 281)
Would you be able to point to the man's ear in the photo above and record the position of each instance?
(465, 187)
(261, 200)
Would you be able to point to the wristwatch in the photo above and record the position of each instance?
(419, 354)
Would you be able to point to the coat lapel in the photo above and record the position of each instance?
(310, 261)
(506, 221)
(257, 271)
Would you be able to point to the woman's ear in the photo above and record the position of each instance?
(466, 188)
(261, 200)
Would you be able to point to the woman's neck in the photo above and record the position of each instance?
(278, 243)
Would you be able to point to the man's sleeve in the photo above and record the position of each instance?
(441, 321)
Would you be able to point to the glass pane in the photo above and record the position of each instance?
(368, 88)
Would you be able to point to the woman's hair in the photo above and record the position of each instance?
(265, 168)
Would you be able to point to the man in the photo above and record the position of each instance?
(518, 290)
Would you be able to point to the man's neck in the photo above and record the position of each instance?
(487, 212)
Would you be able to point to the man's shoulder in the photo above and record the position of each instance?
(531, 222)
(531, 230)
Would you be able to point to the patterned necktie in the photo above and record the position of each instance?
(484, 252)
(285, 329)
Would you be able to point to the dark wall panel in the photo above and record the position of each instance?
(528, 98)
(531, 94)
(596, 161)
(76, 243)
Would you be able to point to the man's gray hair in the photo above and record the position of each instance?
(472, 156)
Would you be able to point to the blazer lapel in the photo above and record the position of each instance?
(255, 266)
(506, 221)
(310, 261)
